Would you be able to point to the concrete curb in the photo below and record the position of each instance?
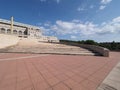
(83, 54)
(112, 81)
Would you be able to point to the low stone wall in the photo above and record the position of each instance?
(101, 50)
(8, 40)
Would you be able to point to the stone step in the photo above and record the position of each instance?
(49, 48)
(59, 53)
(63, 52)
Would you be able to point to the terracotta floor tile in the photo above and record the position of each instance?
(62, 77)
(89, 84)
(60, 86)
(79, 87)
(70, 83)
(55, 72)
(48, 75)
(69, 73)
(8, 82)
(41, 86)
(78, 78)
(8, 88)
(83, 74)
(38, 79)
(95, 80)
(24, 85)
(53, 81)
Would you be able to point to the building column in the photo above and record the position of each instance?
(11, 25)
(5, 31)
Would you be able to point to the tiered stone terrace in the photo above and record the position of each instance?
(32, 46)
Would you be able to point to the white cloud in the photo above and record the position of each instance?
(47, 24)
(116, 20)
(80, 9)
(105, 1)
(76, 21)
(102, 7)
(87, 28)
(45, 31)
(63, 27)
(73, 37)
(57, 1)
(84, 7)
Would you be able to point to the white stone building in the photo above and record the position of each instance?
(24, 30)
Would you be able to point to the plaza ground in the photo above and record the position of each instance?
(54, 72)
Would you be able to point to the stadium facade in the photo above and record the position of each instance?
(24, 30)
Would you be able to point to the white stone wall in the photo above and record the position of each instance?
(48, 39)
(8, 40)
(32, 31)
(6, 27)
(52, 39)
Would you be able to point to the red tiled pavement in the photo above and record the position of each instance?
(54, 72)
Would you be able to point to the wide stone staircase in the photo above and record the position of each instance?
(33, 46)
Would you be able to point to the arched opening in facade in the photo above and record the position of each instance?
(20, 32)
(26, 31)
(14, 31)
(8, 31)
(2, 30)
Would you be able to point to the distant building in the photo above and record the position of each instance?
(24, 30)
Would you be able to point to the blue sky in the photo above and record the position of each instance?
(68, 19)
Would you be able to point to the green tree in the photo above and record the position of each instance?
(91, 42)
